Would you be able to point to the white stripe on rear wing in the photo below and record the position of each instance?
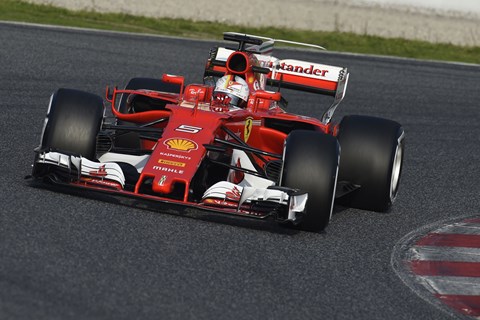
(294, 74)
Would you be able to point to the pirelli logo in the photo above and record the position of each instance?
(171, 163)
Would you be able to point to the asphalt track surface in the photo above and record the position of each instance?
(69, 257)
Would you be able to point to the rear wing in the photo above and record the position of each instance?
(283, 73)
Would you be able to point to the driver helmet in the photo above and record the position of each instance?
(231, 90)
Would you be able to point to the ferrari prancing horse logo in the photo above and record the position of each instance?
(248, 128)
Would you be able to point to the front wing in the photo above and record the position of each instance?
(73, 171)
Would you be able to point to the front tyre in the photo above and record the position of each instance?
(310, 163)
(372, 158)
(72, 123)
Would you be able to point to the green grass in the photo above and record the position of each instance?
(12, 10)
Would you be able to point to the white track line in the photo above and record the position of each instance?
(461, 228)
(452, 285)
(457, 254)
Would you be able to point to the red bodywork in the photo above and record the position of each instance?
(192, 133)
(192, 123)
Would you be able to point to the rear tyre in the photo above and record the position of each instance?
(372, 157)
(311, 164)
(131, 140)
(72, 123)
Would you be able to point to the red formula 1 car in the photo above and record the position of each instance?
(225, 145)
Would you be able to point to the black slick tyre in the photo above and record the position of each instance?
(72, 123)
(310, 164)
(372, 157)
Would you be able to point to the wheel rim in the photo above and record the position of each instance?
(396, 168)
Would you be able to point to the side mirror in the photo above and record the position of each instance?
(169, 78)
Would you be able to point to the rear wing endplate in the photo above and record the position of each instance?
(339, 95)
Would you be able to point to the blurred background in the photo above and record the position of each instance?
(437, 21)
(463, 6)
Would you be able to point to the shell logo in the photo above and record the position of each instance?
(179, 144)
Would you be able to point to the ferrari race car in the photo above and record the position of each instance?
(225, 145)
